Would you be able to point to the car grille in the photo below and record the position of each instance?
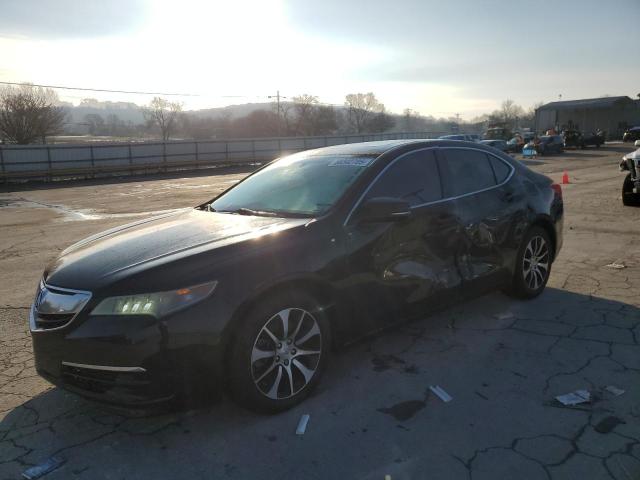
(55, 307)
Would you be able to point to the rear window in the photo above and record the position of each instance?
(500, 169)
(465, 171)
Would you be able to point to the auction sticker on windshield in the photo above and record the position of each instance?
(350, 161)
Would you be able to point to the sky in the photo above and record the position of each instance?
(438, 58)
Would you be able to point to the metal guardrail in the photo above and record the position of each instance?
(21, 162)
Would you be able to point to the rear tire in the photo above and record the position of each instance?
(278, 352)
(533, 265)
(629, 198)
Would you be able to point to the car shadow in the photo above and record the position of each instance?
(465, 337)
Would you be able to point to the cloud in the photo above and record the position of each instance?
(60, 19)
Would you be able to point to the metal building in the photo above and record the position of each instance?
(611, 114)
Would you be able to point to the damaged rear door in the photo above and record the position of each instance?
(485, 206)
(399, 268)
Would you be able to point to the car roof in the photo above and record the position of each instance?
(380, 147)
(363, 148)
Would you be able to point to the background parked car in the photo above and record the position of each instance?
(550, 144)
(594, 138)
(631, 134)
(573, 139)
(576, 139)
(499, 144)
(515, 145)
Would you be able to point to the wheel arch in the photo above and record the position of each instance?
(547, 225)
(322, 291)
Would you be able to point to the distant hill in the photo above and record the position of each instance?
(126, 111)
(233, 111)
(130, 112)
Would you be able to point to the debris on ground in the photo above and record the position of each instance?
(614, 390)
(608, 424)
(41, 470)
(574, 398)
(444, 396)
(302, 424)
(616, 265)
(504, 316)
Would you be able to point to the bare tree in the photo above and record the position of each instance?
(410, 120)
(362, 108)
(29, 113)
(325, 121)
(95, 122)
(163, 114)
(381, 122)
(114, 124)
(510, 112)
(305, 107)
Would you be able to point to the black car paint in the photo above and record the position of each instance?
(367, 276)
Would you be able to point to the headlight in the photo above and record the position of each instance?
(155, 304)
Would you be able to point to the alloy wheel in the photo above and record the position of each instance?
(286, 353)
(535, 262)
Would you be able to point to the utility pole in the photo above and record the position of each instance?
(277, 97)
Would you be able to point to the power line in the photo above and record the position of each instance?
(86, 89)
(133, 92)
(58, 87)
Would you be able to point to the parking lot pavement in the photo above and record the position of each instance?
(503, 362)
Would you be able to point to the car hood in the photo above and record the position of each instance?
(113, 253)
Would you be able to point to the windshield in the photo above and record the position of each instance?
(299, 184)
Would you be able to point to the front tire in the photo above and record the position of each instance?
(279, 352)
(533, 265)
(629, 198)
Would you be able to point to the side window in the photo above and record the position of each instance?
(500, 169)
(464, 171)
(413, 178)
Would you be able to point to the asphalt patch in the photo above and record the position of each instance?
(385, 362)
(403, 411)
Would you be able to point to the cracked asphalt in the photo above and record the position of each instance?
(503, 362)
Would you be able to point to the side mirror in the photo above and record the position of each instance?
(383, 209)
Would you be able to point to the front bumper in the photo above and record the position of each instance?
(127, 360)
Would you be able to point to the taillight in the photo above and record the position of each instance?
(557, 189)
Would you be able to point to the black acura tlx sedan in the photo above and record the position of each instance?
(254, 288)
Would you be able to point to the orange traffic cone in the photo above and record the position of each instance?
(565, 178)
